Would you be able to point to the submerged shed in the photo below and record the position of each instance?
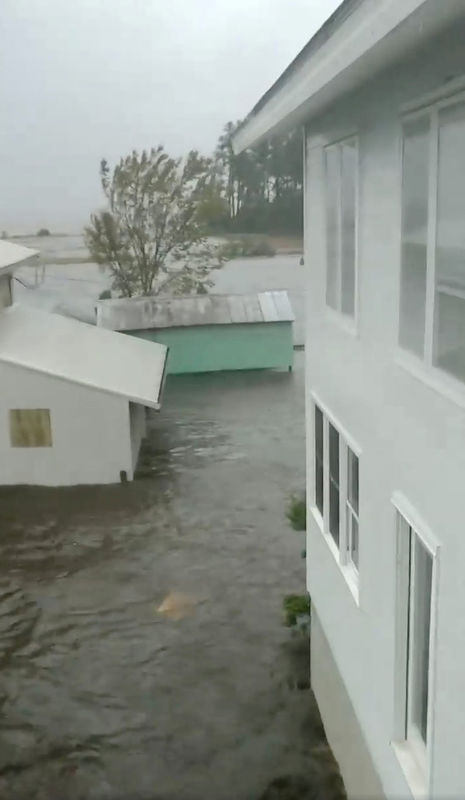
(208, 333)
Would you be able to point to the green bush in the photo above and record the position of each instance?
(105, 295)
(296, 606)
(297, 512)
(247, 246)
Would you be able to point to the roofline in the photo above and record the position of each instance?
(13, 264)
(361, 38)
(131, 398)
(345, 9)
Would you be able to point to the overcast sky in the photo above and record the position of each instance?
(82, 79)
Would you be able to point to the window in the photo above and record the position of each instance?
(432, 296)
(414, 597)
(352, 507)
(30, 427)
(341, 211)
(336, 490)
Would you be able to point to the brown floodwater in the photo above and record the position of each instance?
(142, 649)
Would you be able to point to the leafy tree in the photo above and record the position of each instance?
(43, 232)
(152, 235)
(262, 186)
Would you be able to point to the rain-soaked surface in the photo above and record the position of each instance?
(143, 654)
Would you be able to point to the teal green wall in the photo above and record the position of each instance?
(210, 348)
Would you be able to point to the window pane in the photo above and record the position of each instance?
(414, 235)
(450, 244)
(352, 480)
(354, 540)
(334, 483)
(332, 175)
(348, 211)
(319, 459)
(419, 657)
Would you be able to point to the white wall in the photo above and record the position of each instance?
(137, 417)
(90, 432)
(412, 436)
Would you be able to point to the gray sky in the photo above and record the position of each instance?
(82, 79)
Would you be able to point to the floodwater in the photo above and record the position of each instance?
(73, 288)
(142, 647)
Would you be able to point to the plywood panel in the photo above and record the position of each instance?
(30, 427)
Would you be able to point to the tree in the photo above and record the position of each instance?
(262, 186)
(152, 235)
(43, 232)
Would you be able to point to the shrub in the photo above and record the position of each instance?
(105, 295)
(297, 513)
(296, 609)
(247, 246)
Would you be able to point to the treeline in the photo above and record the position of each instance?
(260, 190)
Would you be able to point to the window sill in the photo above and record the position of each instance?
(413, 771)
(347, 570)
(346, 323)
(434, 378)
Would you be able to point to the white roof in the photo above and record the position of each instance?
(84, 354)
(12, 254)
(142, 313)
(361, 38)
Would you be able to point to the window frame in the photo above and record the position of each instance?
(349, 321)
(347, 445)
(414, 755)
(423, 366)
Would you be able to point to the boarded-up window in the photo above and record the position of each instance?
(30, 427)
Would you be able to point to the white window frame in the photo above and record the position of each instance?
(422, 366)
(349, 321)
(414, 756)
(340, 552)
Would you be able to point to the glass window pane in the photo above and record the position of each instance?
(334, 483)
(348, 212)
(419, 642)
(332, 178)
(415, 176)
(354, 540)
(352, 480)
(319, 459)
(450, 244)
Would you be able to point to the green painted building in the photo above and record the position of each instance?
(208, 333)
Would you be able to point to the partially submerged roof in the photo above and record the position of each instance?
(361, 38)
(13, 254)
(81, 353)
(143, 313)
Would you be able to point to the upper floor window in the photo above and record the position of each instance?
(341, 216)
(432, 292)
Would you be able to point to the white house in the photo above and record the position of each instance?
(72, 396)
(380, 92)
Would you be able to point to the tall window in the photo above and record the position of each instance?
(341, 213)
(432, 297)
(336, 490)
(414, 594)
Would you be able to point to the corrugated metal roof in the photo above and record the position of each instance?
(11, 254)
(83, 354)
(143, 313)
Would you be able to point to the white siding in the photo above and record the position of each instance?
(90, 432)
(412, 437)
